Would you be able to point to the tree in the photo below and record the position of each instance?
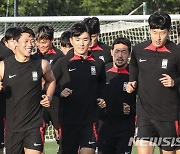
(85, 7)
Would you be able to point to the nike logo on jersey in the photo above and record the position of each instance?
(91, 142)
(142, 60)
(51, 61)
(72, 69)
(12, 76)
(37, 144)
(102, 58)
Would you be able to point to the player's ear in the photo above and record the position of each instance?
(15, 43)
(71, 41)
(111, 52)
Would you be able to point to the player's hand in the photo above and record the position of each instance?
(66, 92)
(131, 86)
(101, 103)
(126, 108)
(167, 81)
(46, 101)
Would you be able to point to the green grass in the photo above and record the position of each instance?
(51, 148)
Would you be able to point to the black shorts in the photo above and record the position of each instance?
(15, 142)
(50, 114)
(115, 145)
(75, 136)
(162, 133)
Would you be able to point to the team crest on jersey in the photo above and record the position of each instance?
(102, 58)
(164, 63)
(93, 70)
(35, 76)
(124, 86)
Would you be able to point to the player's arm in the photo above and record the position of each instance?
(168, 81)
(133, 76)
(50, 81)
(1, 74)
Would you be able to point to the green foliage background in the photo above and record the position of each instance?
(85, 7)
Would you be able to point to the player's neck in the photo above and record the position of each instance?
(21, 58)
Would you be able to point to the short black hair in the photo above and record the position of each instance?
(93, 24)
(159, 20)
(122, 40)
(78, 28)
(65, 39)
(9, 34)
(21, 30)
(44, 32)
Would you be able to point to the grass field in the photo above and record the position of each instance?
(51, 148)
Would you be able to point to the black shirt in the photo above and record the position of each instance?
(22, 84)
(101, 51)
(52, 56)
(146, 67)
(115, 122)
(5, 51)
(86, 79)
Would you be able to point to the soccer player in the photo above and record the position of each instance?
(82, 78)
(7, 48)
(154, 71)
(97, 48)
(21, 78)
(8, 39)
(65, 44)
(118, 117)
(44, 37)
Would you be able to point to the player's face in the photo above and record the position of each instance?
(10, 44)
(159, 37)
(120, 55)
(94, 39)
(25, 44)
(81, 44)
(44, 45)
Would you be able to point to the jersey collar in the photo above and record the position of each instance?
(117, 70)
(76, 57)
(153, 48)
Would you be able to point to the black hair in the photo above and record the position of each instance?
(44, 32)
(65, 39)
(9, 34)
(159, 20)
(93, 24)
(78, 28)
(124, 41)
(21, 30)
